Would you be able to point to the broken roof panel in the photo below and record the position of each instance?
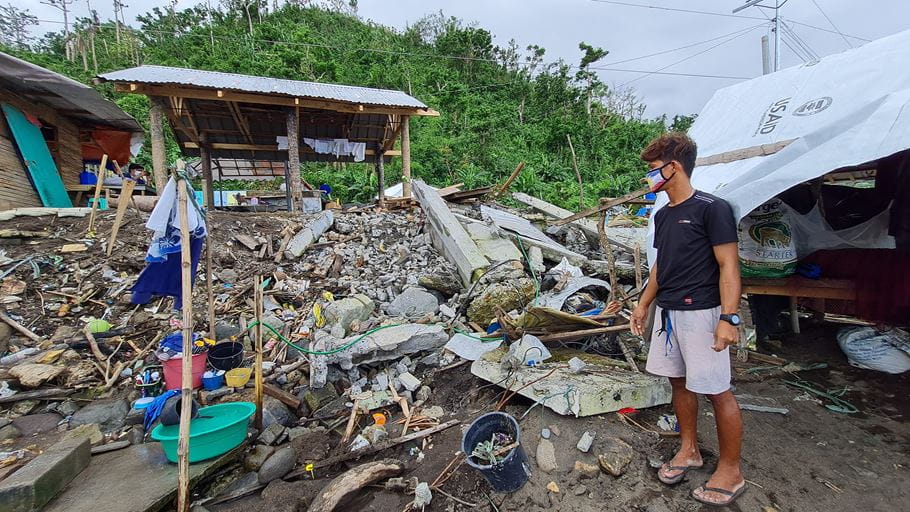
(162, 75)
(77, 100)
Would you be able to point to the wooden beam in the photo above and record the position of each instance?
(126, 193)
(604, 205)
(742, 154)
(269, 99)
(159, 158)
(206, 156)
(390, 143)
(270, 147)
(406, 157)
(240, 120)
(102, 172)
(380, 177)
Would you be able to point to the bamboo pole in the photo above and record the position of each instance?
(126, 193)
(581, 190)
(257, 305)
(209, 291)
(186, 398)
(406, 157)
(102, 171)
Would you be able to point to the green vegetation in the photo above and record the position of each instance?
(499, 105)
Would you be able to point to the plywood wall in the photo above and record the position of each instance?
(16, 191)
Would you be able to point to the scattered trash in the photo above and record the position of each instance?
(885, 351)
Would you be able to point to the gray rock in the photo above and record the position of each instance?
(580, 490)
(9, 432)
(587, 439)
(546, 456)
(4, 422)
(342, 312)
(409, 381)
(423, 394)
(108, 414)
(431, 360)
(68, 408)
(279, 464)
(224, 330)
(585, 470)
(422, 495)
(616, 457)
(37, 423)
(413, 303)
(273, 321)
(447, 284)
(273, 434)
(257, 457)
(273, 411)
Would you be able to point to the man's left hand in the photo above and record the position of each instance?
(725, 335)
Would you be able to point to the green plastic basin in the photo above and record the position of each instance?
(217, 430)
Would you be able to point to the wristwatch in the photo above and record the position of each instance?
(732, 319)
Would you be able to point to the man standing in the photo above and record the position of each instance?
(695, 280)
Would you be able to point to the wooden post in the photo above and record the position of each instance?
(102, 172)
(406, 156)
(608, 252)
(257, 305)
(126, 194)
(581, 190)
(159, 158)
(206, 155)
(380, 175)
(293, 131)
(186, 397)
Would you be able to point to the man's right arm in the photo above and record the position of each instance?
(640, 314)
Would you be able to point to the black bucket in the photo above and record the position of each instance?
(513, 471)
(170, 413)
(226, 355)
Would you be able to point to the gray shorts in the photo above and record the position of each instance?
(685, 351)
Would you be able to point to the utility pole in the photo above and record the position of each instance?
(765, 56)
(776, 20)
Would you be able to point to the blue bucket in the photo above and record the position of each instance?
(511, 473)
(212, 383)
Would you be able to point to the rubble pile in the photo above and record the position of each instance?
(361, 308)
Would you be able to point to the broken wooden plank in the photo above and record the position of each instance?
(448, 235)
(19, 327)
(126, 193)
(73, 248)
(248, 241)
(742, 154)
(282, 396)
(42, 211)
(39, 394)
(352, 481)
(584, 333)
(589, 227)
(604, 205)
(18, 233)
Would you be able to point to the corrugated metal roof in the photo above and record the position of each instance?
(80, 101)
(162, 75)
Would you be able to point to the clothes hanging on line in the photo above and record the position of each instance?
(338, 147)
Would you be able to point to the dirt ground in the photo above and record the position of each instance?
(812, 459)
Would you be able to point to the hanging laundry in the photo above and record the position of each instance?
(162, 274)
(338, 147)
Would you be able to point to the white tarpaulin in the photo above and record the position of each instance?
(844, 110)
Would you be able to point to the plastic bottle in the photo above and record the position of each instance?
(19, 356)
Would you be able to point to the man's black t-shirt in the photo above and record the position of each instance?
(685, 235)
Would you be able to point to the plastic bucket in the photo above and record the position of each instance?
(511, 473)
(170, 413)
(173, 371)
(226, 355)
(212, 383)
(238, 377)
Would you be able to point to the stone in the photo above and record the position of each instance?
(273, 434)
(585, 470)
(546, 456)
(37, 423)
(423, 394)
(343, 312)
(39, 481)
(109, 414)
(9, 432)
(431, 360)
(616, 457)
(375, 433)
(434, 412)
(580, 490)
(274, 411)
(224, 330)
(447, 311)
(577, 365)
(587, 439)
(4, 422)
(391, 343)
(227, 275)
(90, 431)
(446, 284)
(555, 430)
(545, 433)
(509, 295)
(23, 407)
(279, 464)
(68, 407)
(32, 375)
(552, 487)
(409, 381)
(413, 303)
(257, 457)
(422, 496)
(317, 398)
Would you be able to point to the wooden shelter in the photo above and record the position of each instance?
(50, 125)
(220, 116)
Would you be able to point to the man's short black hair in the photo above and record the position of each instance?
(672, 146)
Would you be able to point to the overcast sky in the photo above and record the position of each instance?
(629, 32)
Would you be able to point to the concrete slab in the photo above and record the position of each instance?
(136, 479)
(40, 480)
(600, 389)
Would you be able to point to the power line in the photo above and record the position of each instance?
(832, 23)
(719, 14)
(738, 35)
(699, 43)
(787, 30)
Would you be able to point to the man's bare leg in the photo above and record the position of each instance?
(685, 404)
(728, 474)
